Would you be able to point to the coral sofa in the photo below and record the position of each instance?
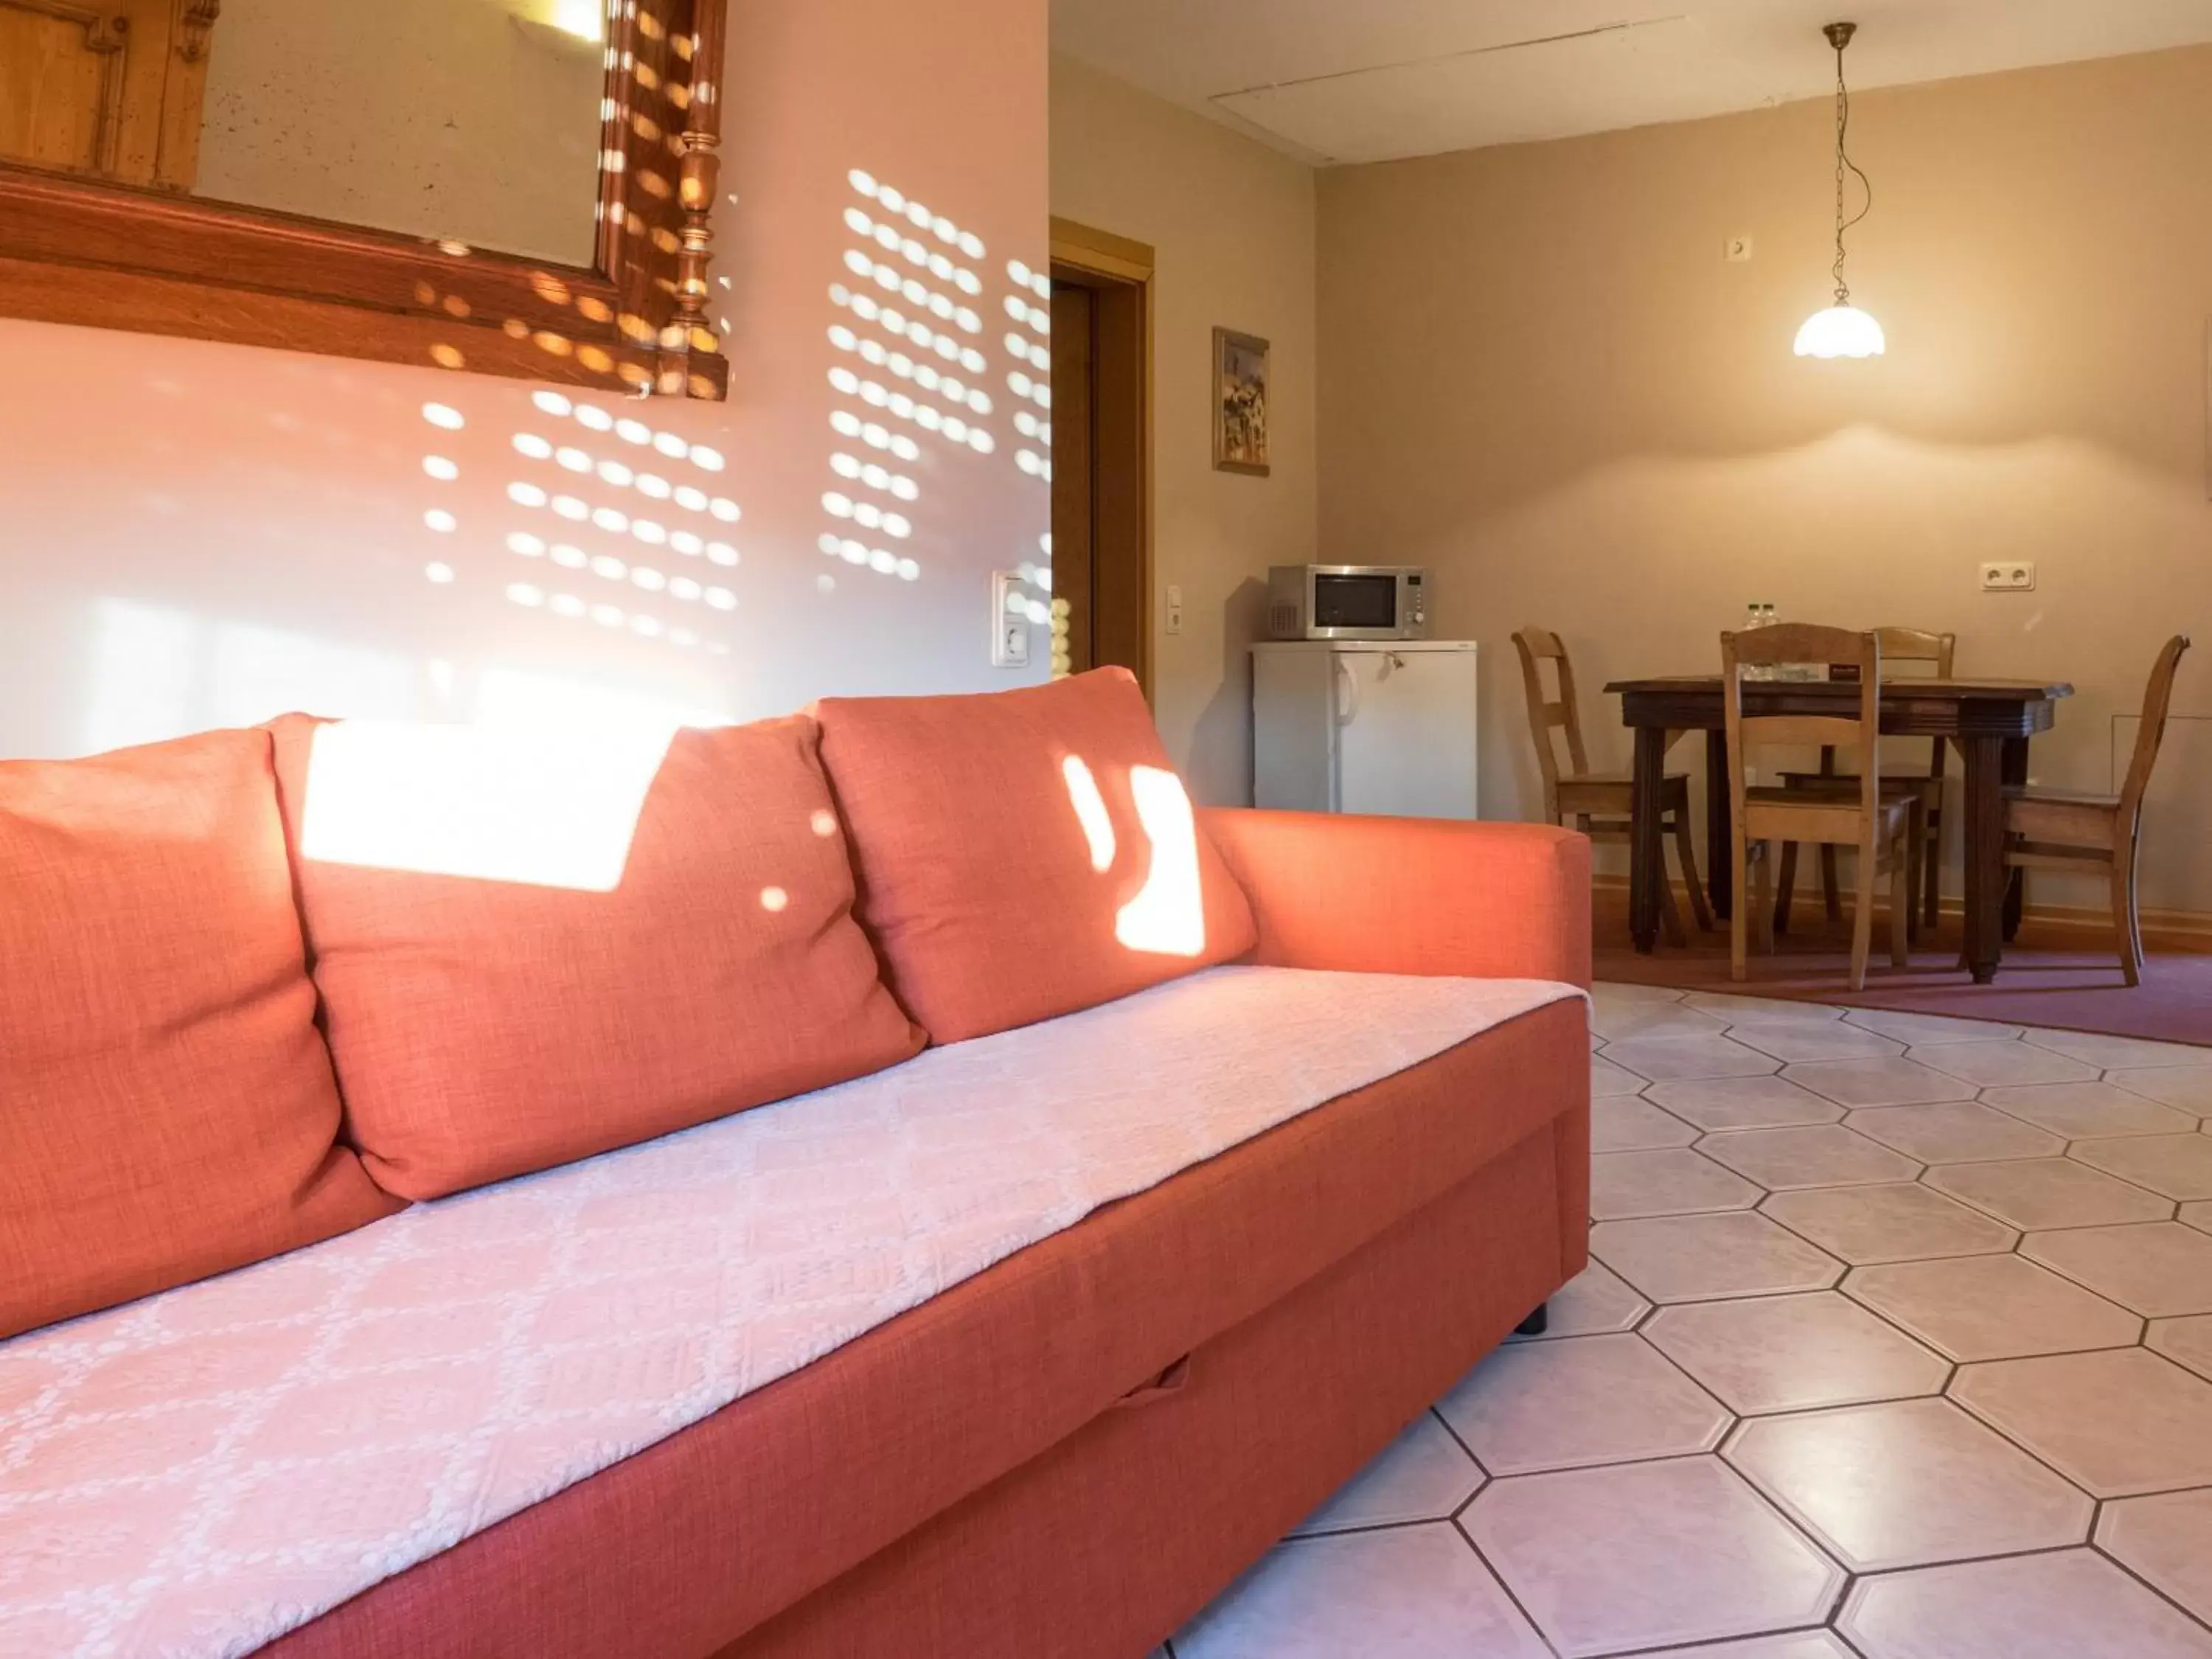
(891, 1183)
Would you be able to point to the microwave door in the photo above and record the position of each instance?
(1355, 606)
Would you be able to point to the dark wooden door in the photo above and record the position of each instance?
(1074, 468)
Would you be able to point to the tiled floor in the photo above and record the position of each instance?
(1897, 1343)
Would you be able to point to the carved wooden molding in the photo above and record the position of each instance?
(77, 251)
(197, 23)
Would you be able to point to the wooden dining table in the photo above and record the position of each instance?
(1988, 722)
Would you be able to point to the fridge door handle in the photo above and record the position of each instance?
(1347, 691)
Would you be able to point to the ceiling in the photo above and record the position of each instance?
(1340, 81)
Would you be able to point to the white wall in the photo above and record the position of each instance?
(194, 534)
(1232, 223)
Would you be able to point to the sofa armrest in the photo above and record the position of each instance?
(1411, 896)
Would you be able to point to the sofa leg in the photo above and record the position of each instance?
(1537, 1322)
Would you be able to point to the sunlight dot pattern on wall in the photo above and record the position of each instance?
(441, 521)
(896, 322)
(443, 416)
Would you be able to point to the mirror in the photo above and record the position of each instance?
(475, 121)
(519, 187)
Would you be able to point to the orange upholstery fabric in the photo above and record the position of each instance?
(166, 1109)
(484, 1028)
(1411, 896)
(713, 1531)
(1025, 854)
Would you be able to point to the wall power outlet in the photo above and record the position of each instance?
(2008, 576)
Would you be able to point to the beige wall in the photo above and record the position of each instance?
(194, 534)
(1540, 377)
(1233, 226)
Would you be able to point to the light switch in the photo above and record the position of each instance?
(1010, 621)
(1173, 622)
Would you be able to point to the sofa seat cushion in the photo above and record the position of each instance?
(533, 947)
(1025, 854)
(166, 1109)
(477, 1355)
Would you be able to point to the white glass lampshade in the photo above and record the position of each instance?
(1841, 331)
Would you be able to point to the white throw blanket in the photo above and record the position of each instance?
(198, 1473)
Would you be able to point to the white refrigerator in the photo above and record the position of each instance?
(1365, 726)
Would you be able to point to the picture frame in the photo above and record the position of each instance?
(1241, 374)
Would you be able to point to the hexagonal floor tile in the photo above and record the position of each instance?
(2109, 1053)
(1649, 1555)
(2073, 1604)
(1625, 1124)
(1616, 1022)
(1758, 1011)
(1818, 1155)
(1664, 1059)
(2184, 1342)
(1957, 1132)
(1782, 1354)
(1890, 1082)
(1423, 1476)
(2177, 1166)
(1797, 1644)
(1907, 1483)
(2118, 1424)
(1929, 1029)
(1591, 1399)
(2081, 1111)
(2198, 1216)
(2168, 1540)
(1691, 1258)
(1743, 1102)
(1408, 1593)
(1991, 1307)
(1608, 1080)
(1619, 993)
(1906, 1222)
(2159, 1268)
(1593, 1302)
(2047, 1192)
(1986, 1064)
(2188, 1087)
(1675, 1181)
(1815, 1039)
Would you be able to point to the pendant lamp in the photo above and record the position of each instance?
(1842, 330)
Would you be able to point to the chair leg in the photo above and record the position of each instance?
(1916, 855)
(1786, 881)
(1831, 895)
(1903, 915)
(1739, 910)
(1863, 915)
(1931, 874)
(1687, 851)
(1765, 901)
(2127, 921)
(1670, 913)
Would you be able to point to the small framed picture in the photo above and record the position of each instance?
(1240, 403)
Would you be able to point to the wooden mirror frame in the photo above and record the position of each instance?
(75, 249)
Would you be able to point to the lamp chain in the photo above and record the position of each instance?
(1844, 163)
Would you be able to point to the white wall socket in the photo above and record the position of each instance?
(1010, 621)
(2008, 576)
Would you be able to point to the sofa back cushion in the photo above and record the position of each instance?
(167, 1108)
(1025, 854)
(535, 947)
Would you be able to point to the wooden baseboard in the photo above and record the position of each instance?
(2062, 926)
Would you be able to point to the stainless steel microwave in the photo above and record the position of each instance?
(1347, 601)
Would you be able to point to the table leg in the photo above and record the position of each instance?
(1646, 861)
(1720, 845)
(1985, 856)
(2015, 892)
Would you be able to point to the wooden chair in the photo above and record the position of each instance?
(2048, 829)
(1879, 824)
(1601, 803)
(1898, 645)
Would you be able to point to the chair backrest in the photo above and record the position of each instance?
(1537, 646)
(1901, 645)
(2157, 695)
(1788, 642)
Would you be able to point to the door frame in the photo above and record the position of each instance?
(1119, 266)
